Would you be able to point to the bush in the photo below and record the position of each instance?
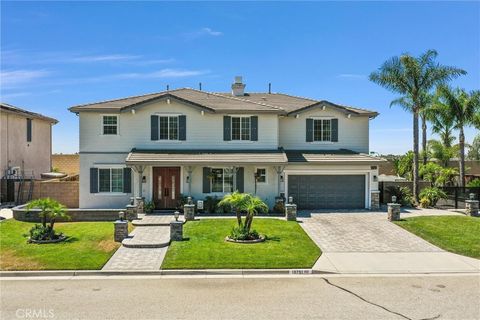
(241, 233)
(474, 183)
(149, 206)
(279, 207)
(403, 194)
(210, 205)
(41, 233)
(431, 196)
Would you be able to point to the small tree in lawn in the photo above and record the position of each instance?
(252, 206)
(50, 211)
(235, 201)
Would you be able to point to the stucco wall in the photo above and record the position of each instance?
(15, 151)
(352, 132)
(203, 132)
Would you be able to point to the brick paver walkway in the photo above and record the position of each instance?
(148, 236)
(136, 259)
(361, 232)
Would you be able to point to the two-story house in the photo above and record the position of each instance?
(199, 143)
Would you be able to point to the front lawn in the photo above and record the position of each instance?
(287, 246)
(457, 234)
(89, 246)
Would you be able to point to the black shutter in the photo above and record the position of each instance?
(93, 180)
(309, 132)
(335, 130)
(240, 179)
(154, 127)
(127, 180)
(29, 130)
(227, 132)
(254, 128)
(182, 128)
(206, 180)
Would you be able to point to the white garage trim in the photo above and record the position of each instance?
(344, 172)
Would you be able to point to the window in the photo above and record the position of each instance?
(29, 130)
(110, 180)
(222, 181)
(110, 125)
(261, 175)
(241, 128)
(322, 130)
(168, 127)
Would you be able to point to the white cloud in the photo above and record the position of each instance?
(104, 58)
(17, 77)
(352, 76)
(203, 32)
(210, 32)
(164, 73)
(4, 97)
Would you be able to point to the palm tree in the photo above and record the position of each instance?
(50, 210)
(414, 78)
(244, 202)
(463, 106)
(441, 152)
(235, 200)
(442, 122)
(252, 206)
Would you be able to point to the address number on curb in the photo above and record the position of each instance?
(301, 271)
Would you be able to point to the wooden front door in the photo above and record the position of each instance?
(166, 187)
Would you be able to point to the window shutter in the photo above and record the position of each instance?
(227, 132)
(254, 128)
(127, 180)
(29, 130)
(206, 180)
(182, 128)
(335, 130)
(93, 180)
(309, 133)
(240, 184)
(154, 127)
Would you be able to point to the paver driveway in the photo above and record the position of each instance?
(361, 232)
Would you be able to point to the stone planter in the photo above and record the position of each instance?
(60, 239)
(261, 239)
(393, 211)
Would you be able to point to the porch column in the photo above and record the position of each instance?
(189, 179)
(139, 170)
(279, 171)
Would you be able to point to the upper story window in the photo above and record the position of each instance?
(110, 125)
(322, 130)
(241, 128)
(110, 180)
(168, 127)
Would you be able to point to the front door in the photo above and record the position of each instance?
(166, 187)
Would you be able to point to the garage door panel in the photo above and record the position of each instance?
(327, 191)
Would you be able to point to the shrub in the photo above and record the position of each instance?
(403, 194)
(210, 204)
(241, 233)
(474, 183)
(432, 195)
(149, 206)
(41, 233)
(279, 207)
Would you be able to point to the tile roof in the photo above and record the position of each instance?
(28, 114)
(328, 156)
(223, 102)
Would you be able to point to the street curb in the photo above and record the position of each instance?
(201, 272)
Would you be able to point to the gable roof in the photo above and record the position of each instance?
(5, 107)
(223, 102)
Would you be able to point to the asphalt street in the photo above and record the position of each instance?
(305, 297)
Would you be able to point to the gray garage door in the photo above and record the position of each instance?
(327, 191)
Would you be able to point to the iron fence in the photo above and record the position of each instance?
(456, 197)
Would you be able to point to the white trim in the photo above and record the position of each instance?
(344, 172)
(102, 124)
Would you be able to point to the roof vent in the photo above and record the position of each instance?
(238, 88)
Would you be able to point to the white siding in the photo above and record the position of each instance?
(352, 133)
(203, 132)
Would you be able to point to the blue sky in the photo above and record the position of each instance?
(58, 54)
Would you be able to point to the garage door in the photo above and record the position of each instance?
(327, 191)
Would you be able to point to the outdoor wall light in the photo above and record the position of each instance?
(297, 116)
(375, 178)
(394, 199)
(144, 179)
(133, 111)
(177, 214)
(290, 199)
(323, 107)
(168, 101)
(202, 113)
(349, 116)
(281, 178)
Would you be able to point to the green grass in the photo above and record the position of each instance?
(89, 246)
(457, 234)
(287, 246)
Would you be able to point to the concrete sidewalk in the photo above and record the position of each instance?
(369, 243)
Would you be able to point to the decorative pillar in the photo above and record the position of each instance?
(393, 211)
(291, 212)
(120, 230)
(471, 208)
(176, 230)
(375, 200)
(189, 212)
(140, 202)
(131, 212)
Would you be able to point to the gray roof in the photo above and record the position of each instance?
(5, 107)
(223, 102)
(146, 157)
(329, 156)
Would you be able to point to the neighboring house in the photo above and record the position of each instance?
(199, 143)
(26, 143)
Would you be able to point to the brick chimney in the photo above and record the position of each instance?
(238, 88)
